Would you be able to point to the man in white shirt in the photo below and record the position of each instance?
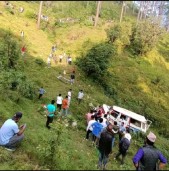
(89, 128)
(80, 96)
(10, 134)
(59, 102)
(69, 96)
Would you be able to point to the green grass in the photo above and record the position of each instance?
(131, 78)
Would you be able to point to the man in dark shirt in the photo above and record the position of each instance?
(72, 77)
(105, 145)
(147, 157)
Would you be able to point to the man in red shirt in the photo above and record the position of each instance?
(65, 106)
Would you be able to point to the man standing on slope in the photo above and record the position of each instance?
(10, 134)
(147, 157)
(41, 92)
(51, 110)
(105, 145)
(65, 106)
(69, 96)
(59, 102)
(80, 96)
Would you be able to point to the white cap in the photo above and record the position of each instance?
(128, 136)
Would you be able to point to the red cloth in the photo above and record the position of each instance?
(23, 49)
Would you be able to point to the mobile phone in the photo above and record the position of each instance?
(24, 125)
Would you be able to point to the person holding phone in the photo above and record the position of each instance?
(10, 134)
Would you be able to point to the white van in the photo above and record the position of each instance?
(133, 121)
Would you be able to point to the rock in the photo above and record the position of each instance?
(74, 124)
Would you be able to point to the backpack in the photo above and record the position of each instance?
(125, 144)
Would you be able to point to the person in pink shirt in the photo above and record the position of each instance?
(88, 116)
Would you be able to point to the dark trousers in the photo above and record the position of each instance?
(94, 138)
(59, 106)
(49, 120)
(87, 134)
(79, 101)
(123, 156)
(40, 95)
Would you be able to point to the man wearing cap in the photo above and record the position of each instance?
(147, 157)
(105, 145)
(10, 134)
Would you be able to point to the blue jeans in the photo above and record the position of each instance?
(103, 159)
(65, 112)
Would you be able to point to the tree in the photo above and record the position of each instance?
(96, 61)
(97, 13)
(10, 52)
(122, 9)
(119, 35)
(39, 15)
(145, 37)
(161, 8)
(139, 12)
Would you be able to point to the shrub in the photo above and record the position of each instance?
(9, 51)
(30, 15)
(145, 37)
(96, 61)
(119, 35)
(40, 62)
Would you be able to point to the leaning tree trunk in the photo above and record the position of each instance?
(122, 10)
(139, 12)
(39, 16)
(145, 9)
(97, 13)
(161, 11)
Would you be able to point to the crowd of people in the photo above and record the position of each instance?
(60, 105)
(60, 57)
(103, 132)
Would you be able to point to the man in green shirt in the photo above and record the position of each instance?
(51, 110)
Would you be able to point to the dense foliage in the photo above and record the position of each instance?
(96, 61)
(145, 37)
(119, 35)
(12, 76)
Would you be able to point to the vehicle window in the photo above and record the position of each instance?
(135, 122)
(143, 125)
(114, 114)
(123, 117)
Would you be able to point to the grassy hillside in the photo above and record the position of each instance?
(134, 79)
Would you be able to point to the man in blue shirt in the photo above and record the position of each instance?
(51, 110)
(10, 134)
(97, 128)
(41, 92)
(148, 156)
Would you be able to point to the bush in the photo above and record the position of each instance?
(9, 51)
(96, 61)
(30, 15)
(119, 35)
(40, 62)
(145, 37)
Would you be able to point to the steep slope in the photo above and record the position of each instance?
(71, 151)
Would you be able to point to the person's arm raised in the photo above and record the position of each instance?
(22, 129)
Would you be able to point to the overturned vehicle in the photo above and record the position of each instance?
(133, 121)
